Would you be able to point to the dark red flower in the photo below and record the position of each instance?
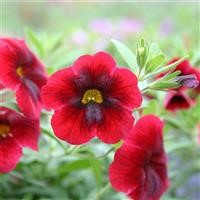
(16, 132)
(139, 167)
(22, 72)
(92, 98)
(176, 100)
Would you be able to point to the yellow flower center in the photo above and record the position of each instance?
(4, 130)
(92, 95)
(20, 71)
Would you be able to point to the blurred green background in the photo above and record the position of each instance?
(85, 22)
(59, 32)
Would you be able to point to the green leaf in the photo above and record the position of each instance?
(33, 40)
(151, 108)
(97, 170)
(154, 49)
(166, 82)
(154, 63)
(171, 146)
(161, 85)
(127, 55)
(74, 166)
(171, 75)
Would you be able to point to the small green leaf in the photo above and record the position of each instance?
(163, 85)
(154, 63)
(97, 170)
(171, 75)
(127, 55)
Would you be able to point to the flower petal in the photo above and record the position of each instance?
(148, 127)
(153, 186)
(177, 100)
(94, 71)
(126, 172)
(69, 124)
(25, 132)
(8, 66)
(117, 122)
(124, 88)
(99, 64)
(10, 153)
(102, 61)
(29, 99)
(59, 89)
(36, 72)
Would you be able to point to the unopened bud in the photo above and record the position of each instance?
(141, 51)
(189, 81)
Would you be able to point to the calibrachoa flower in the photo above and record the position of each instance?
(139, 167)
(16, 132)
(92, 98)
(22, 72)
(176, 100)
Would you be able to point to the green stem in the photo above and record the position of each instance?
(144, 90)
(107, 153)
(46, 132)
(102, 191)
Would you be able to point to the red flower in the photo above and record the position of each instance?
(139, 167)
(92, 98)
(177, 100)
(16, 132)
(22, 72)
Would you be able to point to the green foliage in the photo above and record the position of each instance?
(127, 55)
(155, 62)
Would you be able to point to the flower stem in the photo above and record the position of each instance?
(102, 191)
(46, 132)
(106, 153)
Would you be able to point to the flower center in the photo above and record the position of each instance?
(20, 72)
(92, 95)
(4, 130)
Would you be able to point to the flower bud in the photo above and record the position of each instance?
(189, 81)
